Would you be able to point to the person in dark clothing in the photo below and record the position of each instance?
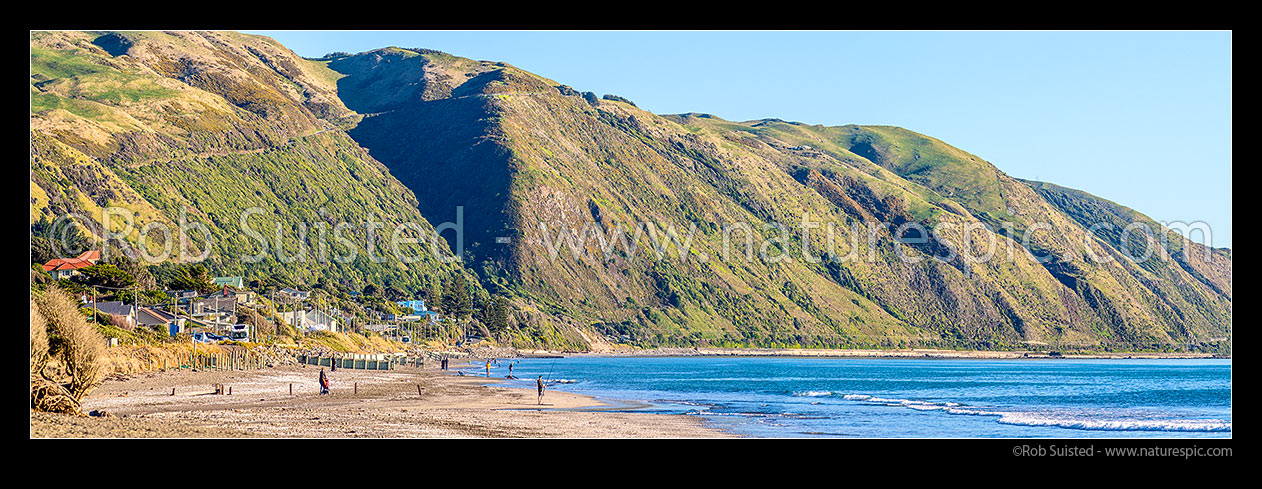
(540, 382)
(324, 382)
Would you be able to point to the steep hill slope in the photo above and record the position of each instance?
(533, 163)
(202, 126)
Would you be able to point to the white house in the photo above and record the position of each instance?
(313, 320)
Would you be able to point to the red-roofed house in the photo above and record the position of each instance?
(60, 268)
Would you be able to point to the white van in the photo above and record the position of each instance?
(239, 332)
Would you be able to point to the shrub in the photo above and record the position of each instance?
(39, 340)
(81, 346)
(616, 98)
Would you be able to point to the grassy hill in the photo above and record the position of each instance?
(210, 123)
(517, 150)
(203, 126)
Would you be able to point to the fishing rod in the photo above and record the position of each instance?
(554, 364)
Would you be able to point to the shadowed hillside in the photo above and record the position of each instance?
(517, 150)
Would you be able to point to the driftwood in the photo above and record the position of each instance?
(49, 396)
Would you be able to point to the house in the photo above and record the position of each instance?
(242, 296)
(313, 320)
(415, 304)
(295, 294)
(117, 310)
(234, 282)
(215, 309)
(182, 295)
(381, 328)
(147, 316)
(433, 317)
(60, 268)
(318, 320)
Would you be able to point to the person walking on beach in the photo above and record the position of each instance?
(324, 382)
(540, 382)
(488, 369)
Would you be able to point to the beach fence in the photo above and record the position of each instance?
(363, 361)
(232, 360)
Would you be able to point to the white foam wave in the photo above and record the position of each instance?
(1068, 421)
(1178, 425)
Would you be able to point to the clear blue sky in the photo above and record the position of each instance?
(1140, 118)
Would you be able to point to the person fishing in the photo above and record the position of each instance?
(540, 382)
(324, 382)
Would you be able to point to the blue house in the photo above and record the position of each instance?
(415, 304)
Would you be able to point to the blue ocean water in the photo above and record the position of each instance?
(887, 398)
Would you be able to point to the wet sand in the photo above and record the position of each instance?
(387, 405)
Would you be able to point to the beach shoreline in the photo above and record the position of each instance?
(404, 403)
(871, 353)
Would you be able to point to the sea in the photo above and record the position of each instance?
(781, 397)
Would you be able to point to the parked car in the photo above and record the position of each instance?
(239, 332)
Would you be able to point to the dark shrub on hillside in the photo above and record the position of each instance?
(616, 98)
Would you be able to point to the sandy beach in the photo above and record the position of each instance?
(386, 404)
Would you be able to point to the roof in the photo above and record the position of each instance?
(66, 264)
(147, 316)
(234, 281)
(216, 303)
(116, 308)
(85, 259)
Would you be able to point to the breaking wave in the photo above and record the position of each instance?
(1076, 421)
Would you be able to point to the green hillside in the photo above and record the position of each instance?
(207, 125)
(542, 152)
(553, 183)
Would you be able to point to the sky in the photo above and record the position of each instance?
(1141, 118)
